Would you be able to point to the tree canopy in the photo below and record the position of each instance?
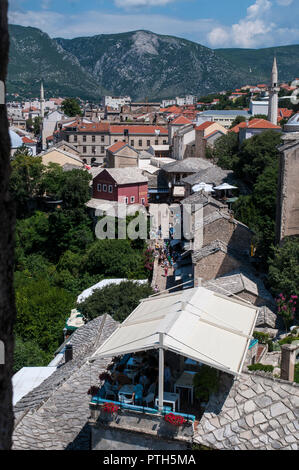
(284, 268)
(71, 107)
(116, 300)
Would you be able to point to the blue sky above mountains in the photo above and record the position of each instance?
(213, 23)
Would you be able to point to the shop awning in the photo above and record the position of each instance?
(196, 323)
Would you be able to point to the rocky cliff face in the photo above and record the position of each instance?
(139, 63)
(143, 64)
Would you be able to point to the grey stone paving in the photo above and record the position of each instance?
(255, 412)
(54, 415)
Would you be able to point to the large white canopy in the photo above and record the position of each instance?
(195, 323)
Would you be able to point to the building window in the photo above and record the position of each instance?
(99, 186)
(156, 142)
(143, 201)
(67, 138)
(126, 200)
(102, 138)
(84, 138)
(132, 199)
(105, 188)
(164, 142)
(148, 143)
(93, 149)
(140, 143)
(75, 138)
(132, 143)
(84, 149)
(93, 138)
(115, 140)
(102, 149)
(110, 188)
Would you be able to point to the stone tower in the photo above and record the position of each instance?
(287, 216)
(273, 95)
(42, 101)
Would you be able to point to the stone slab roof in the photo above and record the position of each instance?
(189, 165)
(126, 175)
(238, 281)
(214, 247)
(200, 198)
(213, 175)
(253, 412)
(216, 215)
(54, 415)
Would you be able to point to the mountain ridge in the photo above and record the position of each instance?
(136, 63)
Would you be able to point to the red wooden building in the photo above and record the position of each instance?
(127, 185)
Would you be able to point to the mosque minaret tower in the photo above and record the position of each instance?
(42, 101)
(273, 98)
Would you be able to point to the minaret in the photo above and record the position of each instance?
(42, 101)
(273, 95)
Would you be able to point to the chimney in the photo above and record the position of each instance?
(288, 359)
(68, 354)
(126, 135)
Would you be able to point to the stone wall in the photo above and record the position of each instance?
(287, 218)
(129, 430)
(236, 236)
(215, 265)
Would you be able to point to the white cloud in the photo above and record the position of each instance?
(284, 3)
(140, 3)
(94, 22)
(257, 29)
(265, 24)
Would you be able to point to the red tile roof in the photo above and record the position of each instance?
(285, 112)
(117, 146)
(138, 129)
(261, 124)
(238, 126)
(173, 110)
(213, 132)
(181, 120)
(204, 126)
(94, 127)
(255, 124)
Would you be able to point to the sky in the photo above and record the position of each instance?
(213, 23)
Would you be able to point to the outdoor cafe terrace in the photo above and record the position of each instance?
(165, 351)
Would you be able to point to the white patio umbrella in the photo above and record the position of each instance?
(208, 188)
(225, 186)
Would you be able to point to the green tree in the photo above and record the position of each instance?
(259, 116)
(53, 180)
(225, 151)
(68, 230)
(71, 107)
(37, 125)
(237, 121)
(256, 154)
(29, 354)
(116, 300)
(25, 181)
(32, 234)
(115, 258)
(41, 313)
(75, 191)
(284, 268)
